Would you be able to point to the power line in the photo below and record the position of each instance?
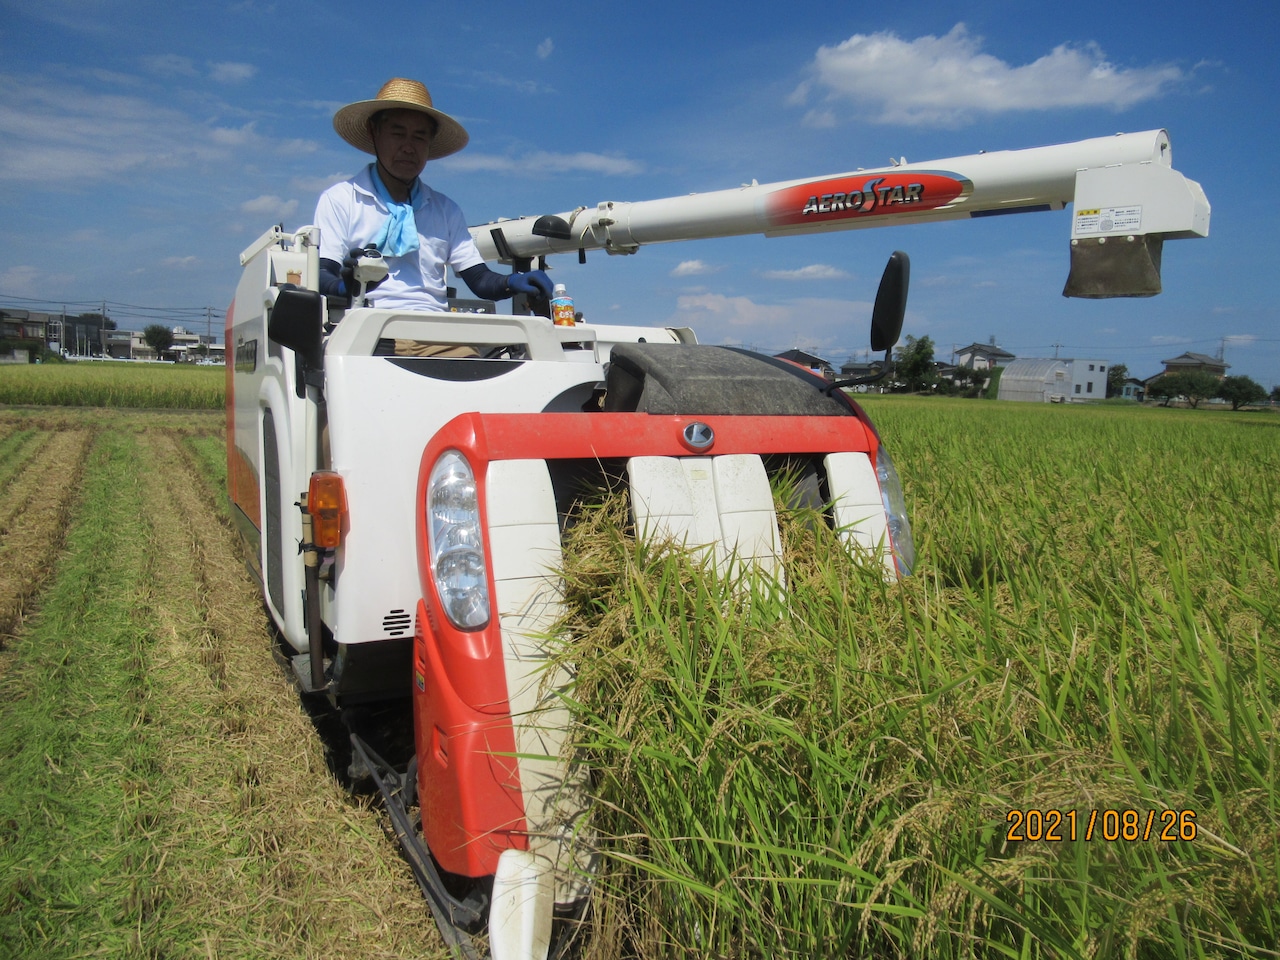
(129, 316)
(54, 306)
(1111, 347)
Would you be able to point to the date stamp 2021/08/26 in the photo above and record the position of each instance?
(1112, 825)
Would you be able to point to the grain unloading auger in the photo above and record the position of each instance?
(1128, 201)
(405, 513)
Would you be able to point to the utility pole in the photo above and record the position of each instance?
(1055, 350)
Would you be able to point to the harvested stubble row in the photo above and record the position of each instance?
(164, 792)
(33, 517)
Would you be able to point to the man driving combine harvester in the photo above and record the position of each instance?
(430, 497)
(418, 230)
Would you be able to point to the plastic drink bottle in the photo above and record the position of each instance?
(561, 307)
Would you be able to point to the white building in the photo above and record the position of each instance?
(982, 356)
(186, 346)
(1054, 381)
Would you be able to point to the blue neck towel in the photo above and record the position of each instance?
(399, 235)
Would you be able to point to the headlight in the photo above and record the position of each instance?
(455, 543)
(895, 510)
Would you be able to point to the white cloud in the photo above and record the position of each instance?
(293, 148)
(541, 163)
(819, 119)
(948, 80)
(170, 65)
(113, 77)
(54, 133)
(325, 107)
(233, 136)
(316, 185)
(493, 79)
(232, 72)
(730, 311)
(27, 281)
(692, 268)
(271, 205)
(828, 327)
(180, 261)
(19, 280)
(545, 48)
(815, 271)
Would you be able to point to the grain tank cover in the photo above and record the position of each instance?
(675, 379)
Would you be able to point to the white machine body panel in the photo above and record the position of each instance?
(381, 415)
(719, 508)
(525, 554)
(858, 508)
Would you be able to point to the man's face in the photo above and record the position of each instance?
(402, 139)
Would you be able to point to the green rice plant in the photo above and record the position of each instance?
(844, 769)
(16, 447)
(209, 456)
(114, 384)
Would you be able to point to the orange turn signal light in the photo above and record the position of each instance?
(327, 504)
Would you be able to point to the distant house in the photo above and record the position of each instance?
(190, 347)
(870, 370)
(859, 368)
(1187, 362)
(1133, 389)
(816, 364)
(120, 344)
(1054, 381)
(982, 356)
(80, 335)
(26, 329)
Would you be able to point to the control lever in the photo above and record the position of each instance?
(370, 270)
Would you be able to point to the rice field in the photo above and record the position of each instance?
(1058, 739)
(107, 383)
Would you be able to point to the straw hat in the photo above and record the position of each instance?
(352, 121)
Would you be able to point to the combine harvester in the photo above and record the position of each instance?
(405, 512)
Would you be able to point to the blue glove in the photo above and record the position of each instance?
(535, 283)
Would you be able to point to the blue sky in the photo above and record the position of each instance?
(144, 144)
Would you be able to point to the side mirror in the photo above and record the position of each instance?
(552, 227)
(891, 302)
(297, 323)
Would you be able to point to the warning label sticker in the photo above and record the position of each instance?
(1108, 220)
